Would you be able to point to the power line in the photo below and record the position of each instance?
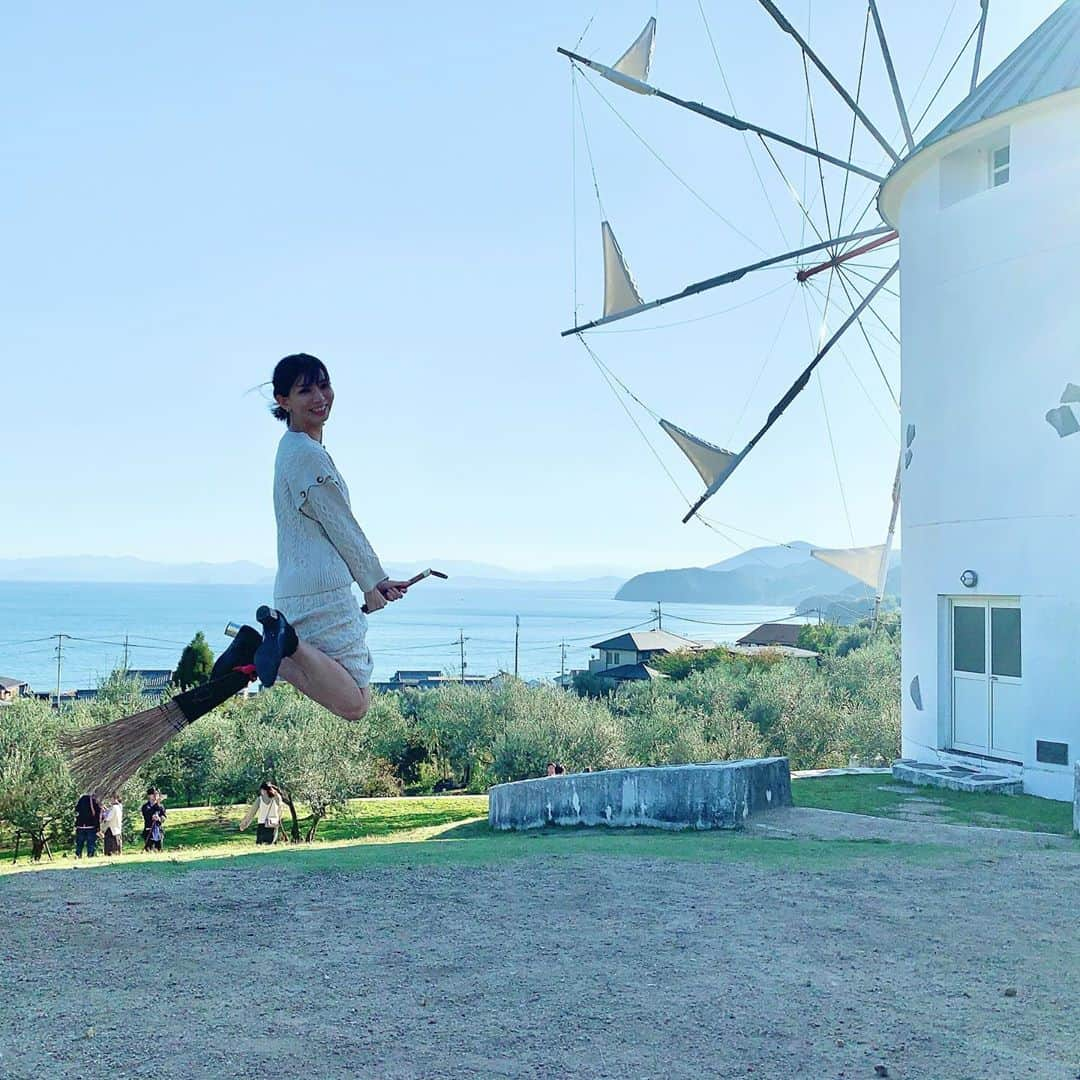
(752, 622)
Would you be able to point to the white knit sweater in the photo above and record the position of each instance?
(319, 544)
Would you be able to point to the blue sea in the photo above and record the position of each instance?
(420, 631)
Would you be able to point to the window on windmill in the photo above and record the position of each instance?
(999, 166)
(978, 166)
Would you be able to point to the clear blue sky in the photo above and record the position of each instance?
(190, 192)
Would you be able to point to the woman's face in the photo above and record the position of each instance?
(308, 404)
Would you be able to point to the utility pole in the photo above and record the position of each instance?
(562, 669)
(517, 639)
(461, 642)
(659, 616)
(125, 653)
(59, 664)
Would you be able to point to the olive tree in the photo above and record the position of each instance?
(37, 793)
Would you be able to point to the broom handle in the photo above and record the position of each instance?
(412, 581)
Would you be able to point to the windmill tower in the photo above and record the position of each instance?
(985, 212)
(988, 214)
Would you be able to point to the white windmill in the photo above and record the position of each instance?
(985, 211)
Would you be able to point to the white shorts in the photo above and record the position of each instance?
(333, 623)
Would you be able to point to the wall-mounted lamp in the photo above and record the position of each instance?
(969, 579)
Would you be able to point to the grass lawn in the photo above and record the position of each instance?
(471, 842)
(448, 830)
(881, 796)
(441, 829)
(367, 819)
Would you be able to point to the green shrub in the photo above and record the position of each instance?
(716, 707)
(541, 724)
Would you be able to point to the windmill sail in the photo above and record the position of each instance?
(620, 292)
(631, 70)
(636, 60)
(711, 462)
(870, 564)
(864, 563)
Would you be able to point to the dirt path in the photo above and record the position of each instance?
(800, 821)
(551, 966)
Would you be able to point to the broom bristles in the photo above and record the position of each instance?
(105, 757)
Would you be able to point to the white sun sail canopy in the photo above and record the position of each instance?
(712, 463)
(868, 564)
(620, 292)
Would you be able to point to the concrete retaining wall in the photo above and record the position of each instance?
(719, 795)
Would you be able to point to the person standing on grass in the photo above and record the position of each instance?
(153, 812)
(267, 810)
(113, 823)
(315, 636)
(87, 824)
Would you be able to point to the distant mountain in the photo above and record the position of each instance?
(780, 575)
(471, 572)
(126, 569)
(781, 555)
(129, 570)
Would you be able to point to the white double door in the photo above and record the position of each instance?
(987, 673)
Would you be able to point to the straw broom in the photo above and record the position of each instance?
(103, 758)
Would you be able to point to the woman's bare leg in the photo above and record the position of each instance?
(325, 681)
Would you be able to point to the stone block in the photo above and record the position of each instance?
(717, 795)
(955, 777)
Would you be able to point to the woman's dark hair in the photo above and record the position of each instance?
(300, 367)
(269, 789)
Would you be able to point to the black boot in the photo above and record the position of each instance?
(279, 640)
(240, 653)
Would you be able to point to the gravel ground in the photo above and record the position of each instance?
(959, 963)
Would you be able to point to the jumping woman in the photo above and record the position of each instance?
(314, 636)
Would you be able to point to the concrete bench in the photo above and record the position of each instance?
(717, 795)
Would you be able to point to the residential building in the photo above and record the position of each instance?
(778, 638)
(637, 647)
(12, 688)
(430, 679)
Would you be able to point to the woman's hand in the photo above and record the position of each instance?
(377, 598)
(374, 600)
(393, 590)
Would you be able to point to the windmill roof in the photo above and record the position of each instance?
(1045, 63)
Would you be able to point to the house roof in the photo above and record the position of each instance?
(790, 651)
(630, 673)
(152, 678)
(427, 679)
(772, 633)
(11, 684)
(1045, 63)
(647, 641)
